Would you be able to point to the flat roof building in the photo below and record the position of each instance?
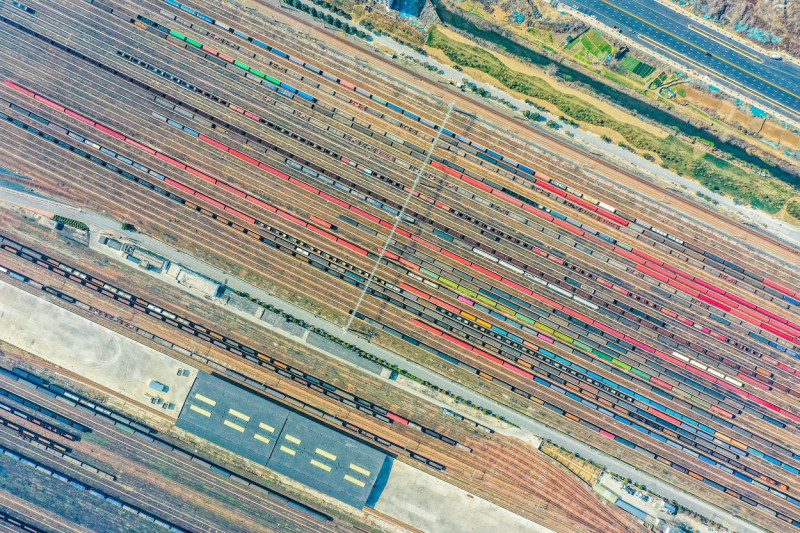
(292, 444)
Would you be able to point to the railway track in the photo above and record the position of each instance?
(564, 504)
(136, 448)
(686, 319)
(505, 475)
(581, 157)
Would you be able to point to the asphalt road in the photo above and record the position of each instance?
(773, 83)
(98, 222)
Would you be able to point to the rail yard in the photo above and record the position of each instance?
(507, 261)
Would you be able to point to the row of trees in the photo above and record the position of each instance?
(333, 8)
(366, 355)
(328, 18)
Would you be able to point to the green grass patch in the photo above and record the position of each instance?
(713, 172)
(474, 8)
(637, 67)
(622, 81)
(580, 55)
(595, 44)
(572, 43)
(629, 63)
(643, 70)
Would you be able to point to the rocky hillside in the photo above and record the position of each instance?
(773, 23)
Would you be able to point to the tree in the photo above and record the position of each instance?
(552, 124)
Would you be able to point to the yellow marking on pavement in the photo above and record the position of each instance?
(354, 481)
(292, 439)
(205, 399)
(732, 46)
(734, 65)
(320, 465)
(266, 427)
(325, 454)
(230, 424)
(288, 450)
(198, 410)
(358, 469)
(711, 71)
(262, 438)
(239, 415)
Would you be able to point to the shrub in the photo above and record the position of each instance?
(77, 224)
(793, 209)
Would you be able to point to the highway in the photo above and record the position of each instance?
(98, 223)
(775, 84)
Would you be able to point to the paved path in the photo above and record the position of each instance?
(98, 222)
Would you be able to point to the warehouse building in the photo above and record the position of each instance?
(292, 444)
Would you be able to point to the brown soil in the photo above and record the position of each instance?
(729, 113)
(776, 133)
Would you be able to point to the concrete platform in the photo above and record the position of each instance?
(86, 348)
(430, 504)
